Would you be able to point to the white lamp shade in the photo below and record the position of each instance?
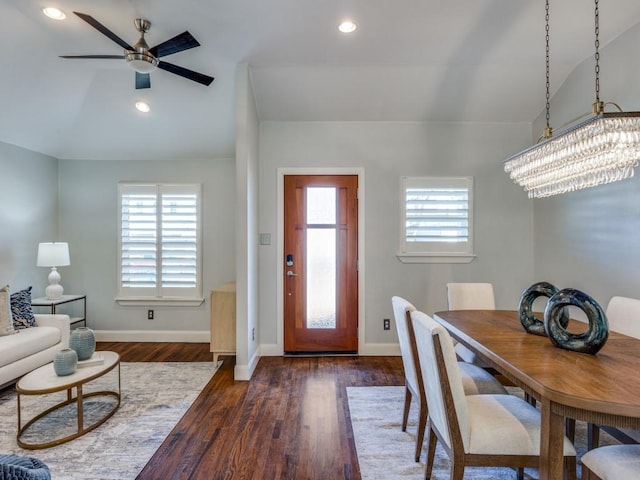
(53, 254)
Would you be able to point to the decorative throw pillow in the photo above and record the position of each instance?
(21, 309)
(6, 320)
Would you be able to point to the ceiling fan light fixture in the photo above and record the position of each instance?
(143, 59)
(141, 62)
(54, 13)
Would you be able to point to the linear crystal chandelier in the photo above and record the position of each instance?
(604, 148)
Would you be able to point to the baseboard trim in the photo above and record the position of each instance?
(245, 372)
(170, 336)
(271, 350)
(380, 350)
(368, 349)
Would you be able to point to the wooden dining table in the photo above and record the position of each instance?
(602, 389)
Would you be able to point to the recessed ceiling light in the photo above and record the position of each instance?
(143, 107)
(54, 13)
(347, 26)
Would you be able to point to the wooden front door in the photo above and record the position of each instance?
(320, 263)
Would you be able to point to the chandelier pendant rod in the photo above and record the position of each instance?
(548, 131)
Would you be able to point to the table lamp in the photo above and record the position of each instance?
(53, 254)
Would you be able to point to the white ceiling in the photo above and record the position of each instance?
(409, 60)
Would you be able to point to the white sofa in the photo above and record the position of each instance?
(33, 347)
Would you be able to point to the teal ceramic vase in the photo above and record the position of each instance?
(590, 341)
(83, 341)
(65, 362)
(528, 319)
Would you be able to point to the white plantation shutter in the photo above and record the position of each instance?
(436, 216)
(159, 241)
(138, 238)
(179, 240)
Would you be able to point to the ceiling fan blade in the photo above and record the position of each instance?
(143, 80)
(179, 43)
(120, 57)
(186, 73)
(104, 30)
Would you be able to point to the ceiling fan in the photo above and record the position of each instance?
(143, 59)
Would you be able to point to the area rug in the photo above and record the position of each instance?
(386, 452)
(154, 398)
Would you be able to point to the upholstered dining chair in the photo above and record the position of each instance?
(623, 314)
(470, 296)
(613, 462)
(475, 379)
(474, 430)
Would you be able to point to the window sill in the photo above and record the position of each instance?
(436, 257)
(154, 301)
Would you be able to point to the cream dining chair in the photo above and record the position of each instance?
(623, 315)
(613, 462)
(474, 430)
(470, 296)
(475, 379)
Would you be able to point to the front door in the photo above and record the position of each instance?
(320, 263)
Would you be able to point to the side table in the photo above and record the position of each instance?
(53, 304)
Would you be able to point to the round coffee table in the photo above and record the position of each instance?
(44, 381)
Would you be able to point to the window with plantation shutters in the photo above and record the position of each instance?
(159, 242)
(436, 220)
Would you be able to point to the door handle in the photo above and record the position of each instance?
(291, 274)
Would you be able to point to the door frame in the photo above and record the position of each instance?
(282, 171)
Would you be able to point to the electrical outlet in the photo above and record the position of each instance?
(386, 324)
(149, 314)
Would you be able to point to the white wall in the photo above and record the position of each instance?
(88, 216)
(386, 151)
(247, 186)
(590, 239)
(28, 216)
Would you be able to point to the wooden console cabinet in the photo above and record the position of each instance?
(223, 320)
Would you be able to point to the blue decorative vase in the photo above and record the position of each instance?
(65, 362)
(83, 341)
(590, 341)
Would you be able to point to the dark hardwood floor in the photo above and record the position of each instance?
(291, 421)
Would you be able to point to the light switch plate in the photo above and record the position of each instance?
(265, 239)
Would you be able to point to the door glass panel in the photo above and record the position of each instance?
(321, 277)
(321, 205)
